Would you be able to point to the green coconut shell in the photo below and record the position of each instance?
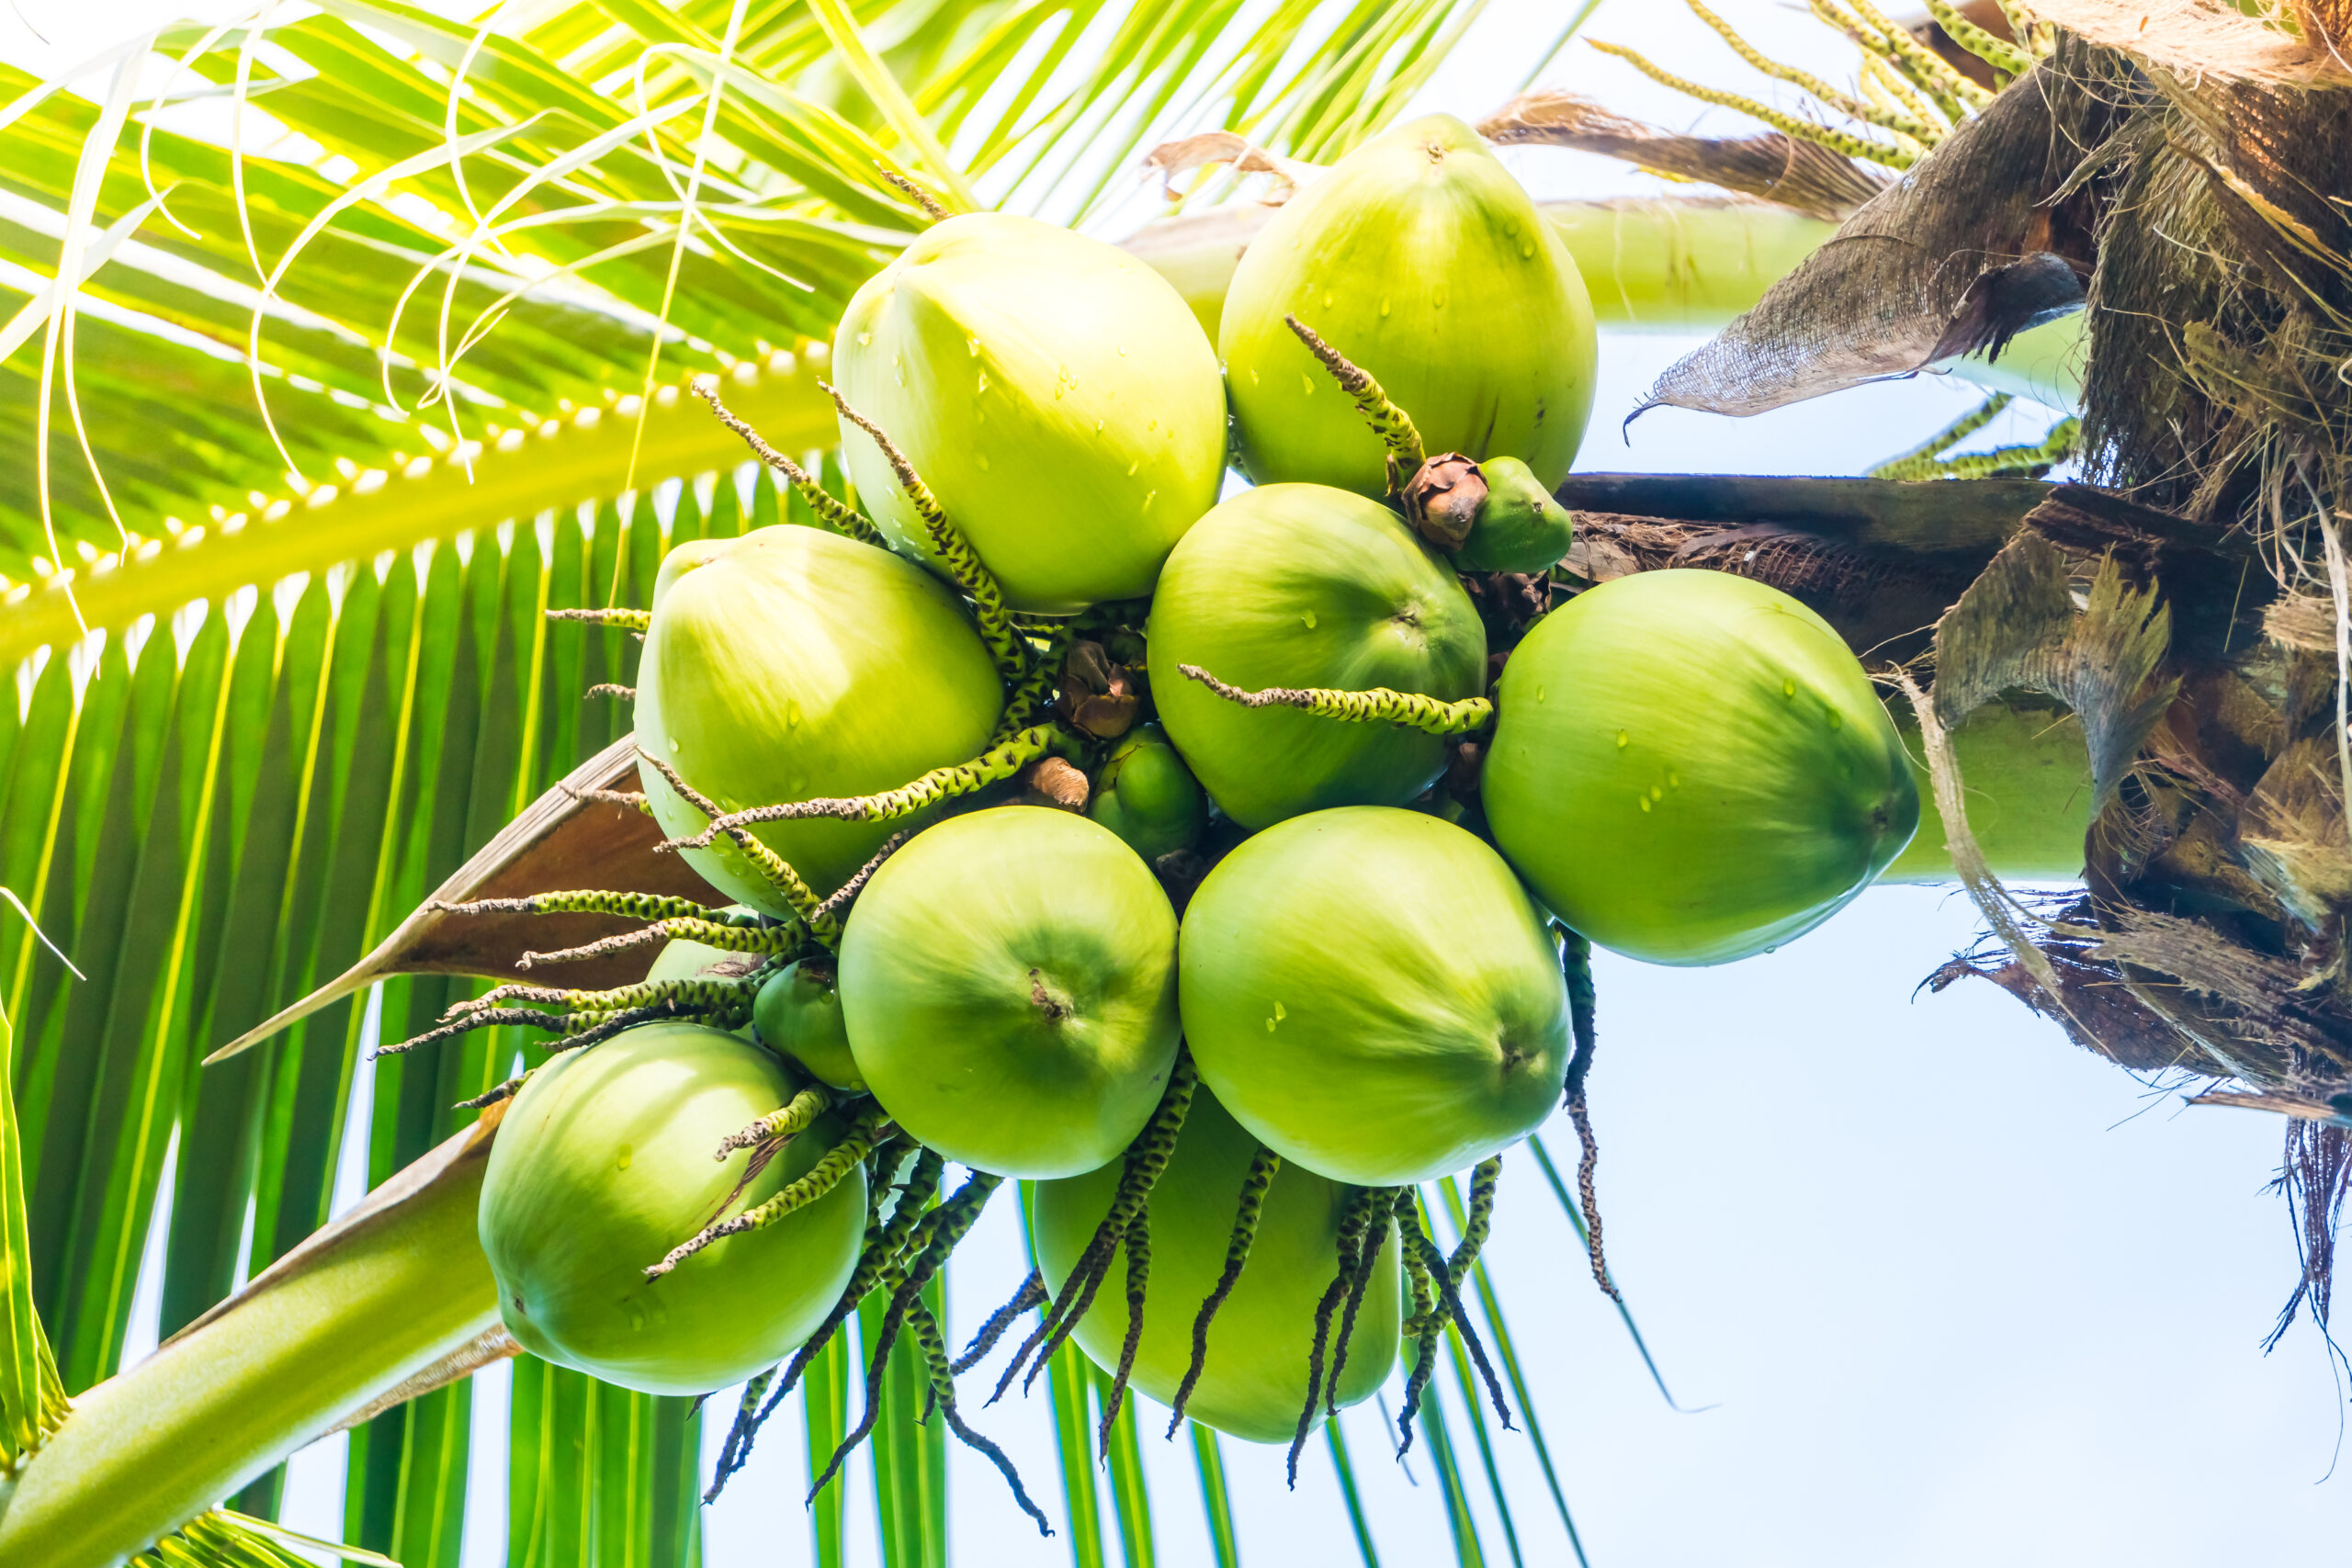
(1689, 767)
(1371, 993)
(1009, 983)
(799, 1013)
(1144, 793)
(1419, 258)
(791, 663)
(604, 1164)
(1519, 527)
(1254, 1381)
(1055, 393)
(1304, 585)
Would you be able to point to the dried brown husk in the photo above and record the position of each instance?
(1802, 175)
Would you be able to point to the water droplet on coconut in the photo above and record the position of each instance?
(792, 713)
(1438, 298)
(1787, 687)
(974, 344)
(864, 338)
(1511, 226)
(1122, 351)
(1384, 306)
(674, 746)
(1526, 249)
(1327, 298)
(1623, 741)
(1309, 619)
(1131, 467)
(1837, 719)
(984, 383)
(983, 456)
(1151, 496)
(1309, 382)
(1645, 800)
(1657, 792)
(1281, 1012)
(1253, 374)
(1674, 781)
(627, 1153)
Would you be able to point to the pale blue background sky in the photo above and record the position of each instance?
(1958, 1292)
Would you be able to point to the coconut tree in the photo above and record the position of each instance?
(366, 360)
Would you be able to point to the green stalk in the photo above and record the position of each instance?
(364, 1305)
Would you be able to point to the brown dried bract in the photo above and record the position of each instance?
(1099, 695)
(1443, 499)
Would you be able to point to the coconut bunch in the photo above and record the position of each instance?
(1225, 868)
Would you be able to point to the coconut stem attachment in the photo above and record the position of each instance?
(932, 208)
(691, 994)
(1145, 1159)
(1398, 437)
(884, 1238)
(786, 881)
(1378, 705)
(1032, 691)
(942, 1379)
(1355, 1224)
(620, 619)
(710, 934)
(837, 904)
(956, 552)
(1254, 1187)
(1032, 1293)
(823, 1177)
(790, 1121)
(992, 766)
(832, 513)
(621, 905)
(1575, 966)
(950, 1221)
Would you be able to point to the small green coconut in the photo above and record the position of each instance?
(1419, 258)
(798, 1013)
(1519, 528)
(1008, 984)
(1253, 1383)
(604, 1164)
(1055, 393)
(1689, 767)
(1304, 585)
(791, 663)
(1371, 993)
(1144, 793)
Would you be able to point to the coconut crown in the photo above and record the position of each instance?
(1056, 395)
(1419, 258)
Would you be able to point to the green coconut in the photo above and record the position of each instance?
(798, 1013)
(1371, 993)
(1009, 983)
(1304, 585)
(1689, 767)
(804, 665)
(1419, 258)
(1254, 1381)
(1144, 793)
(1519, 527)
(1055, 393)
(604, 1164)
